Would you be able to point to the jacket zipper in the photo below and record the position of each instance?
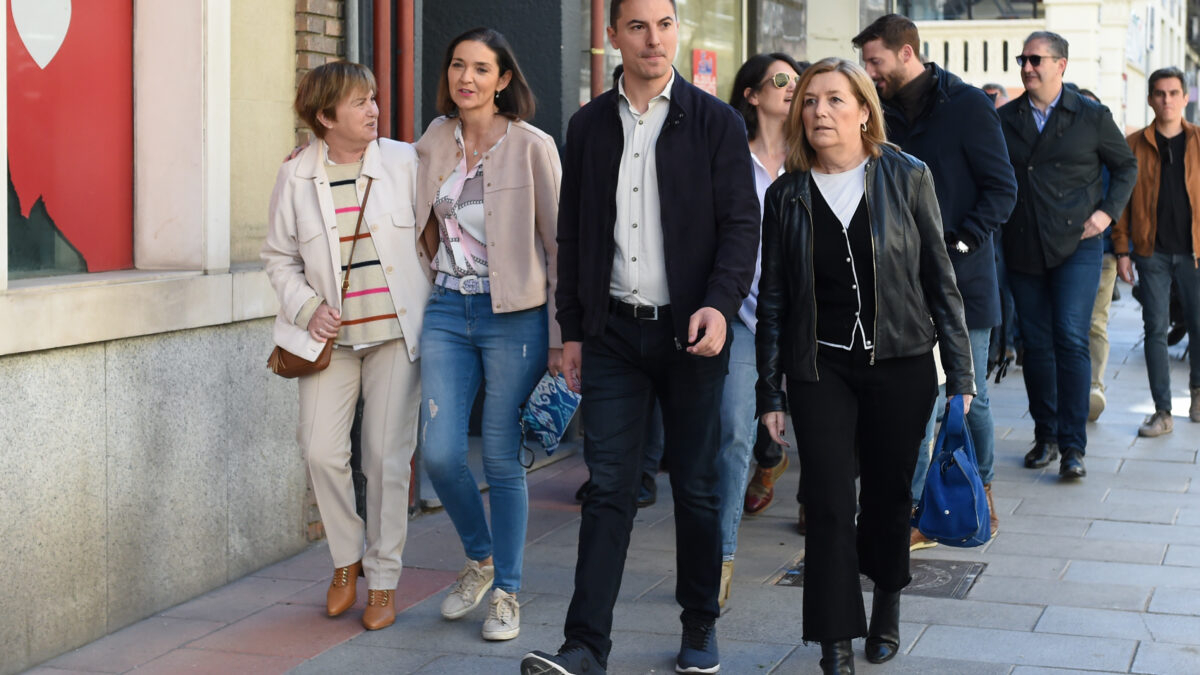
(813, 286)
(874, 270)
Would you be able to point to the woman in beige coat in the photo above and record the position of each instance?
(488, 203)
(314, 218)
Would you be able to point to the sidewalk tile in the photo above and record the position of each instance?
(1189, 515)
(361, 659)
(1182, 554)
(1041, 592)
(1091, 510)
(1144, 532)
(1166, 659)
(1093, 622)
(1031, 566)
(1090, 571)
(461, 664)
(1021, 648)
(311, 565)
(204, 662)
(131, 647)
(1151, 497)
(971, 613)
(1038, 670)
(47, 670)
(1154, 469)
(1113, 548)
(239, 599)
(1184, 630)
(284, 630)
(1034, 518)
(1175, 601)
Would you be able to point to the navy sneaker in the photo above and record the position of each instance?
(570, 660)
(698, 649)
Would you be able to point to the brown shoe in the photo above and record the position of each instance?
(381, 609)
(726, 582)
(761, 490)
(343, 590)
(918, 541)
(993, 516)
(1157, 424)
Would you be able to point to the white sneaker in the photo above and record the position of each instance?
(473, 583)
(504, 617)
(1096, 402)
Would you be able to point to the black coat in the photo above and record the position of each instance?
(708, 203)
(1059, 183)
(957, 134)
(914, 281)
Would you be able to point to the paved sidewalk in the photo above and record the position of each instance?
(1101, 575)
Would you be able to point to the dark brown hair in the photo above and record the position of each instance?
(514, 101)
(1164, 73)
(614, 11)
(895, 31)
(324, 87)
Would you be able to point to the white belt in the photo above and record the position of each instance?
(468, 285)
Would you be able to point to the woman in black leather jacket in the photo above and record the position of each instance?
(856, 288)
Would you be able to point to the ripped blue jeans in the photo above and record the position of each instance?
(462, 342)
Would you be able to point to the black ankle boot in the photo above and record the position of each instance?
(883, 637)
(837, 658)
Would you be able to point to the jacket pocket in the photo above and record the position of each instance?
(401, 219)
(307, 230)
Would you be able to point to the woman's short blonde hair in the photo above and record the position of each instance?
(324, 87)
(800, 154)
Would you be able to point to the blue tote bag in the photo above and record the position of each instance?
(953, 509)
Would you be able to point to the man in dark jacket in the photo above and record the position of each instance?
(1057, 142)
(952, 127)
(658, 236)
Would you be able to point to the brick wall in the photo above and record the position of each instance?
(320, 30)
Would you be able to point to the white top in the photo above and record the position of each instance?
(762, 181)
(462, 249)
(842, 191)
(639, 271)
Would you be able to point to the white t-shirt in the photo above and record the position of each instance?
(843, 191)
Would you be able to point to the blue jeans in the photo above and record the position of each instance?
(979, 418)
(739, 429)
(1054, 310)
(463, 341)
(1155, 274)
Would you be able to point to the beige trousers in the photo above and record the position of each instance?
(390, 386)
(1098, 334)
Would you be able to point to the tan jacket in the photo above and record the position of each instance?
(303, 255)
(1139, 220)
(520, 201)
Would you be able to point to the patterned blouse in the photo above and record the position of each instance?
(462, 227)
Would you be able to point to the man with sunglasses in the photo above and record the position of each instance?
(1058, 141)
(951, 126)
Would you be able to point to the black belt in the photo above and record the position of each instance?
(643, 312)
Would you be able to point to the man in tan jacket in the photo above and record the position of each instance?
(1163, 223)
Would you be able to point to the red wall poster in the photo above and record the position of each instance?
(70, 123)
(704, 70)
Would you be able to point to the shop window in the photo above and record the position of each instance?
(70, 137)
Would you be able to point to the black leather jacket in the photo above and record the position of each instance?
(914, 281)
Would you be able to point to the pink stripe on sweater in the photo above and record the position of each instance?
(346, 209)
(369, 291)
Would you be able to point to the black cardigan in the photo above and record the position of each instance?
(709, 207)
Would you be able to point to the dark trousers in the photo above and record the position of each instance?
(623, 370)
(1054, 310)
(882, 407)
(1156, 273)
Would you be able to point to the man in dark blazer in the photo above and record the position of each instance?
(1057, 142)
(658, 234)
(951, 126)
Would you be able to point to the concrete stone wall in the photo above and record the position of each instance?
(136, 474)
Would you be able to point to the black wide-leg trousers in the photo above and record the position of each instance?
(883, 409)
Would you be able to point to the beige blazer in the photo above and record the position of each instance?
(520, 201)
(303, 255)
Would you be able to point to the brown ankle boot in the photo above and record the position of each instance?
(343, 589)
(995, 518)
(381, 609)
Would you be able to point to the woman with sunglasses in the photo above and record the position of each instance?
(762, 93)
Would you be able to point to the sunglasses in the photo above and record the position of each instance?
(1034, 60)
(781, 79)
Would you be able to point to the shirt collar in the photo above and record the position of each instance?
(664, 94)
(1053, 104)
(759, 164)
